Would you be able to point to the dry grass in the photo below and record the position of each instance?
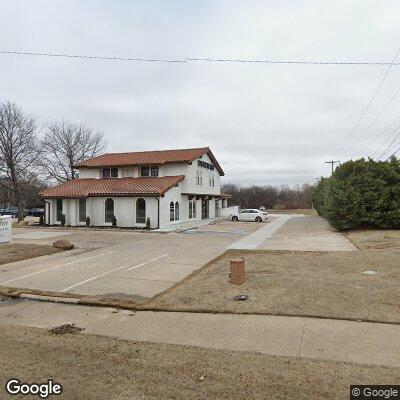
(375, 239)
(92, 367)
(306, 211)
(16, 252)
(318, 284)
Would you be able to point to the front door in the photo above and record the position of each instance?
(204, 208)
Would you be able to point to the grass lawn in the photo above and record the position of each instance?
(93, 367)
(16, 252)
(319, 284)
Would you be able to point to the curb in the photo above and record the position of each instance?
(52, 299)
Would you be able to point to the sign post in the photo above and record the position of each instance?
(5, 228)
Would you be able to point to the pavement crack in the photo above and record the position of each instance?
(302, 336)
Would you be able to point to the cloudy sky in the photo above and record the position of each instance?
(266, 124)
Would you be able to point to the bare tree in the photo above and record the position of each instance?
(19, 151)
(65, 144)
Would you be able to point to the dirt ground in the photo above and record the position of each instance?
(93, 367)
(16, 252)
(319, 284)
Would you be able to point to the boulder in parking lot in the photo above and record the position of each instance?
(63, 244)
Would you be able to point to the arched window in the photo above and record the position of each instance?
(176, 211)
(171, 211)
(194, 208)
(140, 211)
(190, 209)
(109, 210)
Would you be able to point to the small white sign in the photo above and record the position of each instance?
(5, 228)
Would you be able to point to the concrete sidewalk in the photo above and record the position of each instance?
(295, 232)
(357, 342)
(258, 237)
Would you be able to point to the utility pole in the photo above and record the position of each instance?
(332, 163)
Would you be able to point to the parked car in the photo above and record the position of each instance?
(249, 215)
(14, 212)
(36, 212)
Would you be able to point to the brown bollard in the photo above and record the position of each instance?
(237, 275)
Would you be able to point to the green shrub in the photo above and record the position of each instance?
(148, 223)
(63, 220)
(41, 220)
(87, 221)
(114, 222)
(361, 193)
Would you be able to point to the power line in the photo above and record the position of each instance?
(372, 99)
(375, 138)
(375, 119)
(107, 58)
(390, 145)
(393, 154)
(387, 137)
(187, 59)
(303, 62)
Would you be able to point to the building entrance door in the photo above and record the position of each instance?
(204, 208)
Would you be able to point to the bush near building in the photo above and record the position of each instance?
(361, 193)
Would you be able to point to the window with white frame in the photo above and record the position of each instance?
(171, 211)
(199, 178)
(190, 209)
(194, 209)
(211, 180)
(176, 211)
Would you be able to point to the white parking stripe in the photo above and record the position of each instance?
(92, 279)
(113, 270)
(54, 268)
(146, 262)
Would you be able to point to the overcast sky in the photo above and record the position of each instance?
(266, 124)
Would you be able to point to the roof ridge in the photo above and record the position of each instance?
(154, 151)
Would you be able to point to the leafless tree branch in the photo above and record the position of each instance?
(65, 144)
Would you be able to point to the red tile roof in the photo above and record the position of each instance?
(85, 187)
(158, 157)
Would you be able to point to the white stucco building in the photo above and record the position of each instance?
(173, 188)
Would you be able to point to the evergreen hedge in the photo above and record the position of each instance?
(361, 193)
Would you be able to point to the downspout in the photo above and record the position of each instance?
(158, 212)
(45, 211)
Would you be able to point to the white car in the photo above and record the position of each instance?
(250, 214)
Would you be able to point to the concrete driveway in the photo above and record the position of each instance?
(138, 265)
(296, 232)
(119, 264)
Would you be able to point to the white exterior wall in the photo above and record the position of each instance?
(124, 211)
(173, 195)
(90, 173)
(189, 170)
(125, 207)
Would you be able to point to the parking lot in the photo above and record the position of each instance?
(119, 264)
(137, 265)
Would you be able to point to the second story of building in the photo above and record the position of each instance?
(199, 166)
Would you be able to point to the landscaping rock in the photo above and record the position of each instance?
(63, 244)
(64, 329)
(22, 223)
